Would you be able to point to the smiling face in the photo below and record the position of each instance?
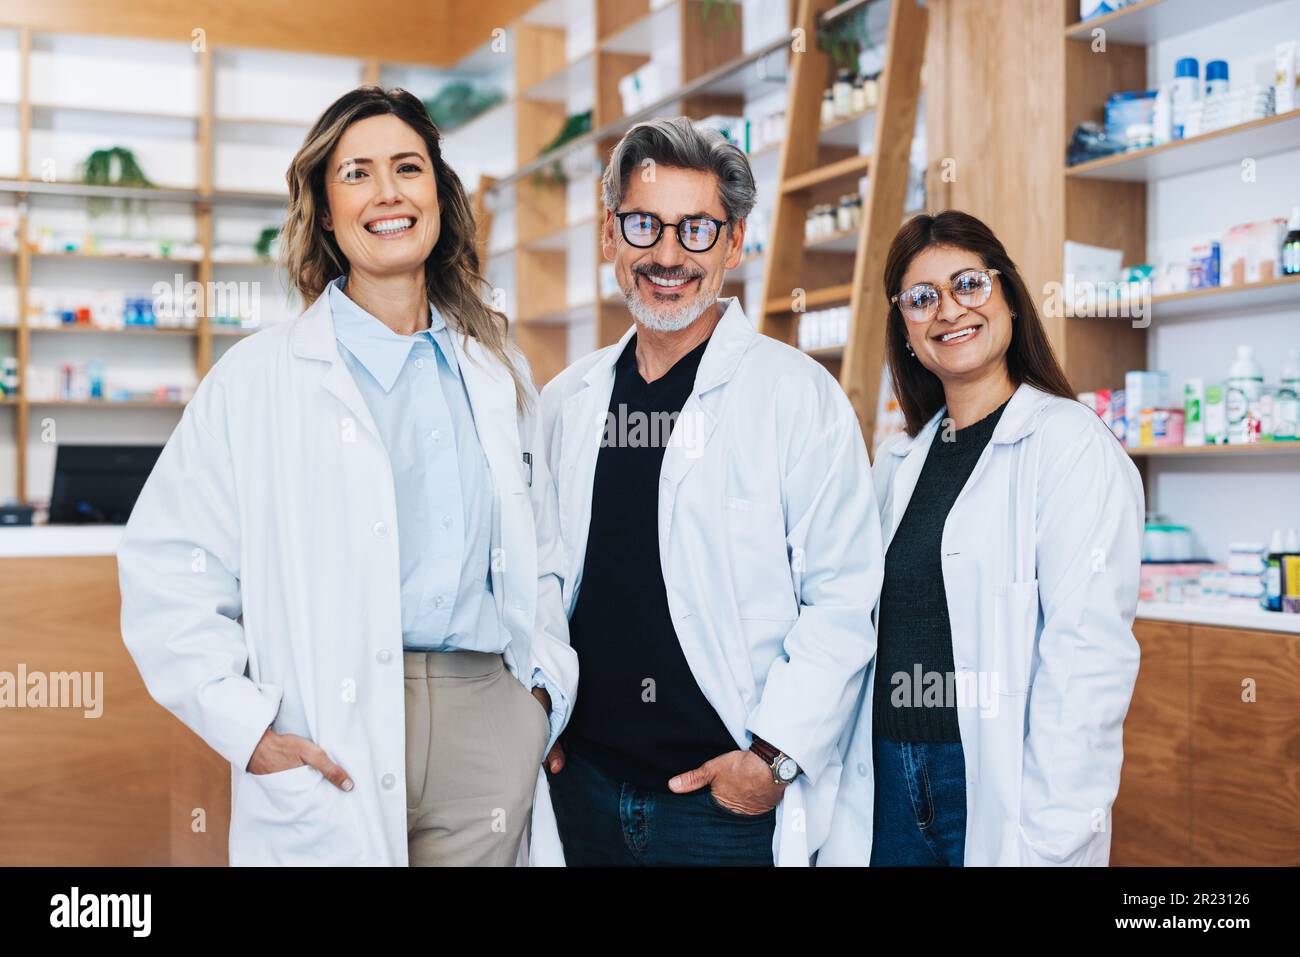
(383, 198)
(668, 287)
(958, 343)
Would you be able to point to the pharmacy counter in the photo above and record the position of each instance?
(1225, 616)
(59, 541)
(91, 761)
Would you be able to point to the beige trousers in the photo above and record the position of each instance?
(474, 741)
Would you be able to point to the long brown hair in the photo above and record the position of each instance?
(1029, 356)
(452, 276)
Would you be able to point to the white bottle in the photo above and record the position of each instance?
(1245, 382)
(1286, 410)
(1187, 90)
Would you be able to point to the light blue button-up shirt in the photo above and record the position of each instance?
(413, 388)
(441, 479)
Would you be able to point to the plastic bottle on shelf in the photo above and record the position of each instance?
(1271, 600)
(1286, 407)
(1291, 245)
(1216, 78)
(1187, 90)
(1245, 383)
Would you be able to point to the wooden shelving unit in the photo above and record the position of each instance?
(204, 124)
(570, 56)
(1107, 200)
(844, 268)
(1198, 451)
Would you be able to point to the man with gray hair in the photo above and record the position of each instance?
(720, 573)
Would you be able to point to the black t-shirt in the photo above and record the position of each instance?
(914, 637)
(640, 715)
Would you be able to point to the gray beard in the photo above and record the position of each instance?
(675, 320)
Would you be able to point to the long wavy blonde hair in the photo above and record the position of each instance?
(311, 255)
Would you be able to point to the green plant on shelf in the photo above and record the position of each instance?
(459, 102)
(114, 166)
(845, 38)
(579, 124)
(728, 14)
(264, 240)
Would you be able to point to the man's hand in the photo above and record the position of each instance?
(283, 752)
(554, 759)
(739, 780)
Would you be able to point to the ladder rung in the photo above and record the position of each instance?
(824, 174)
(818, 297)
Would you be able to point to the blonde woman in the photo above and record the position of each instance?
(342, 573)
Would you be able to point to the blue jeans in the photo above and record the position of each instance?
(607, 823)
(920, 807)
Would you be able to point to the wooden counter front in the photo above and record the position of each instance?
(117, 789)
(1210, 777)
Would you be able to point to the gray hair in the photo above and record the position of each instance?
(679, 144)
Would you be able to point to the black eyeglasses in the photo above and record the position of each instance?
(697, 234)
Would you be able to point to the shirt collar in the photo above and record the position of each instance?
(378, 348)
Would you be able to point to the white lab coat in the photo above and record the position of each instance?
(769, 545)
(260, 586)
(1041, 555)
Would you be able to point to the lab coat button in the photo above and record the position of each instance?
(437, 602)
(436, 434)
(446, 521)
(388, 781)
(419, 363)
(380, 529)
(862, 769)
(384, 656)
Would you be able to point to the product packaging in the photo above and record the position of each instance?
(1203, 268)
(1250, 252)
(1144, 391)
(1193, 401)
(1216, 415)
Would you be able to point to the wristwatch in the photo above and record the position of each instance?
(784, 768)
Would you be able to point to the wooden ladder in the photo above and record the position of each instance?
(797, 279)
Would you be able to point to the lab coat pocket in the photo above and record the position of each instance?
(287, 817)
(1015, 627)
(760, 564)
(292, 779)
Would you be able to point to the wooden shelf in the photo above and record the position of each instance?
(851, 166)
(115, 111)
(107, 404)
(845, 241)
(220, 330)
(1282, 291)
(112, 257)
(823, 353)
(826, 296)
(846, 130)
(1150, 21)
(1198, 451)
(1273, 134)
(1217, 300)
(124, 331)
(640, 36)
(574, 75)
(562, 316)
(263, 121)
(560, 238)
(159, 194)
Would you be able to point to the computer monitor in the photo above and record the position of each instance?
(99, 483)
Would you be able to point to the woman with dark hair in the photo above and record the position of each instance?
(990, 725)
(343, 572)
